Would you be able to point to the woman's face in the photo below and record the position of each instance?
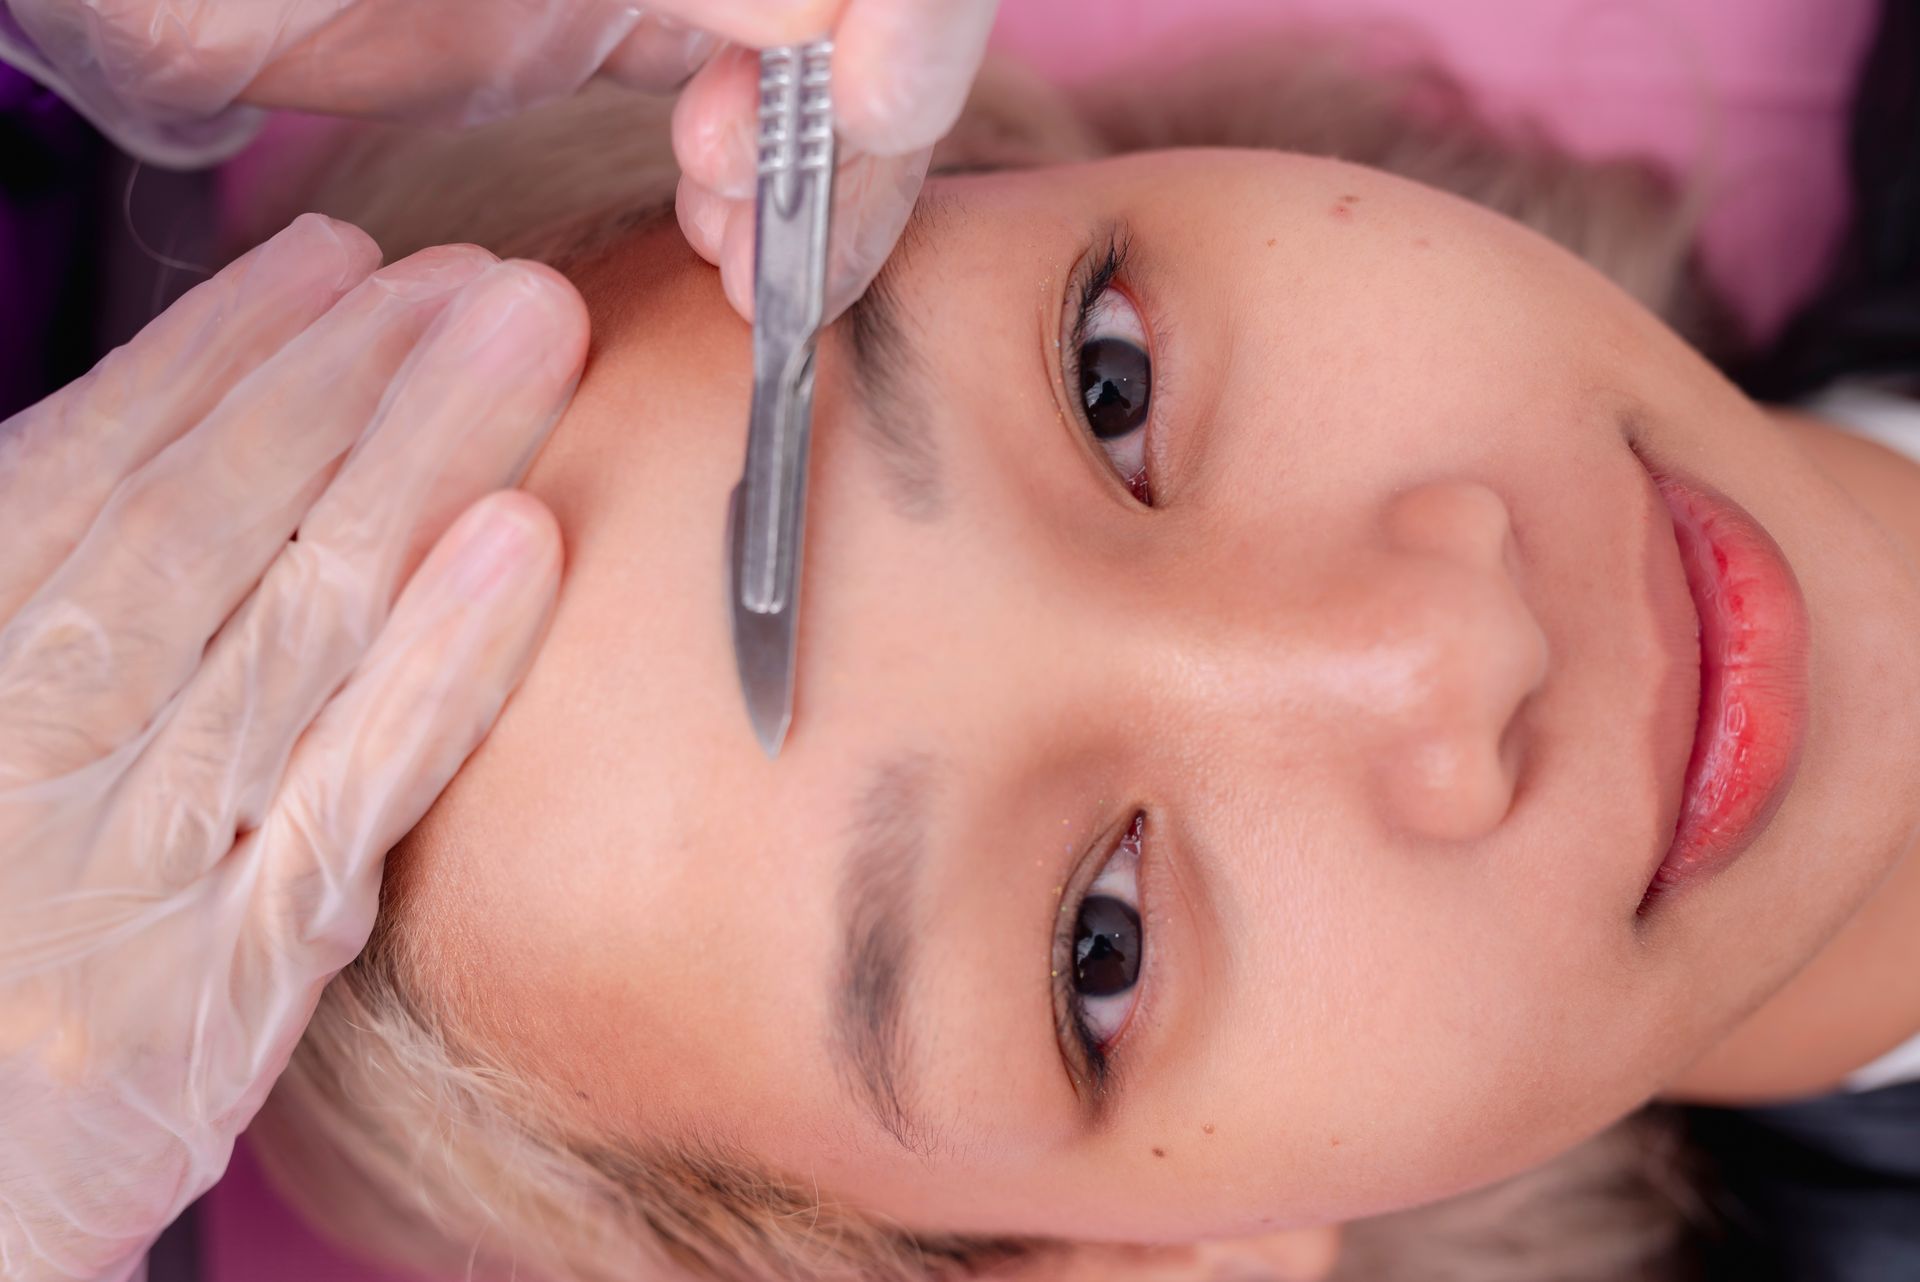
(1360, 670)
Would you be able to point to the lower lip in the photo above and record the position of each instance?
(1753, 683)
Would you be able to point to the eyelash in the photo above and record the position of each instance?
(1098, 271)
(1097, 274)
(1095, 1055)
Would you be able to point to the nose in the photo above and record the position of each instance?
(1452, 657)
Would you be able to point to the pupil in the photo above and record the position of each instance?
(1106, 947)
(1115, 379)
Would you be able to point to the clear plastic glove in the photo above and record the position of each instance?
(241, 651)
(901, 72)
(163, 78)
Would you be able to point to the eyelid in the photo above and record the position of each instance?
(1102, 267)
(1100, 1063)
(1081, 1061)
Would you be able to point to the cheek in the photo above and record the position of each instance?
(1407, 1039)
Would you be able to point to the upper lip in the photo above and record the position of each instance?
(1676, 688)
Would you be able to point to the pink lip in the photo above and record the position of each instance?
(1753, 682)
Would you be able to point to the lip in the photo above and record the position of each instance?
(1753, 640)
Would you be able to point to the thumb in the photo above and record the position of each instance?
(902, 69)
(873, 199)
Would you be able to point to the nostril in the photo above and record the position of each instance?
(1451, 789)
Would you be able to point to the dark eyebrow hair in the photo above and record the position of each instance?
(870, 1037)
(892, 380)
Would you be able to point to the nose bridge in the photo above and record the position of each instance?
(1402, 659)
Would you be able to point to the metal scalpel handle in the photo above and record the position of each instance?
(794, 201)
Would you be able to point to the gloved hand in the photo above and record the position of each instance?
(901, 72)
(210, 734)
(162, 77)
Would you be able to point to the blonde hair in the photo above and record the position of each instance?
(395, 1129)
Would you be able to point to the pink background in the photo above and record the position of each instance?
(1755, 90)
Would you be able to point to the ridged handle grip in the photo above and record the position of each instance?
(796, 116)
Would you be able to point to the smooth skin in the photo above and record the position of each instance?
(1389, 667)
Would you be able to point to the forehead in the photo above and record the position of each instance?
(1214, 190)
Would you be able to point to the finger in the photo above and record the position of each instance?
(754, 23)
(716, 124)
(465, 417)
(455, 62)
(902, 70)
(462, 634)
(443, 439)
(901, 73)
(186, 61)
(660, 55)
(703, 218)
(120, 626)
(873, 197)
(736, 258)
(60, 459)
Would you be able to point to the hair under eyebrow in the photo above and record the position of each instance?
(876, 908)
(893, 380)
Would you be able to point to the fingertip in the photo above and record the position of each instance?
(531, 532)
(703, 218)
(434, 272)
(845, 284)
(311, 257)
(311, 237)
(506, 321)
(555, 306)
(455, 251)
(872, 204)
(660, 55)
(716, 123)
(736, 261)
(720, 231)
(756, 22)
(793, 22)
(504, 550)
(534, 511)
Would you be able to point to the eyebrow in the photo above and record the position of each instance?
(871, 1040)
(893, 381)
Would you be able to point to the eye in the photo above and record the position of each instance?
(1116, 384)
(1112, 372)
(1108, 950)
